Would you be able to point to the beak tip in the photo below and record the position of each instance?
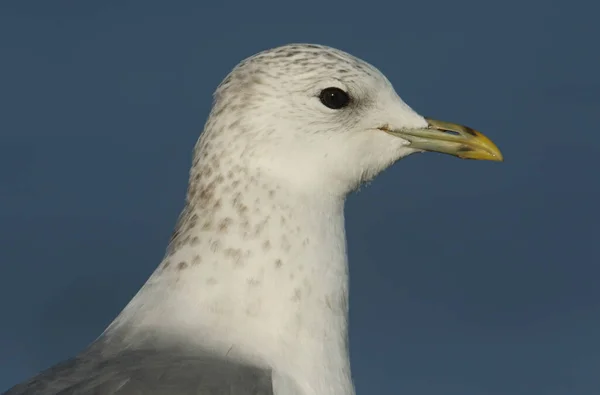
(497, 155)
(492, 155)
(486, 158)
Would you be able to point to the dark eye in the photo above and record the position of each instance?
(334, 98)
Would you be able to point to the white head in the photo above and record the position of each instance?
(323, 118)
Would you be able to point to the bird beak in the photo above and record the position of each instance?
(449, 138)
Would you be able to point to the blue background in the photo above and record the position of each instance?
(467, 277)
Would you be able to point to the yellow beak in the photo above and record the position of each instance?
(449, 138)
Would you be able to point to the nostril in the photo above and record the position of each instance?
(455, 133)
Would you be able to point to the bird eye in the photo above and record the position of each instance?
(334, 98)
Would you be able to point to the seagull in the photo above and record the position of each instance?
(251, 296)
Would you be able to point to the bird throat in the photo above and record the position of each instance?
(254, 271)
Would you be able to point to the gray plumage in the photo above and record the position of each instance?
(149, 372)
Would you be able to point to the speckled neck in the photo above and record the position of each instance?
(256, 271)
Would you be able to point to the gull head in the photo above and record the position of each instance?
(320, 119)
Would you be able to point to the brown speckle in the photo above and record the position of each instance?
(195, 241)
(266, 245)
(207, 192)
(196, 260)
(215, 246)
(260, 226)
(237, 200)
(252, 282)
(242, 209)
(182, 265)
(235, 254)
(245, 224)
(211, 281)
(278, 263)
(336, 303)
(224, 224)
(297, 295)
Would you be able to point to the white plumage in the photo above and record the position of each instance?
(256, 273)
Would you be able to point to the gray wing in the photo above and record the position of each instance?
(149, 373)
